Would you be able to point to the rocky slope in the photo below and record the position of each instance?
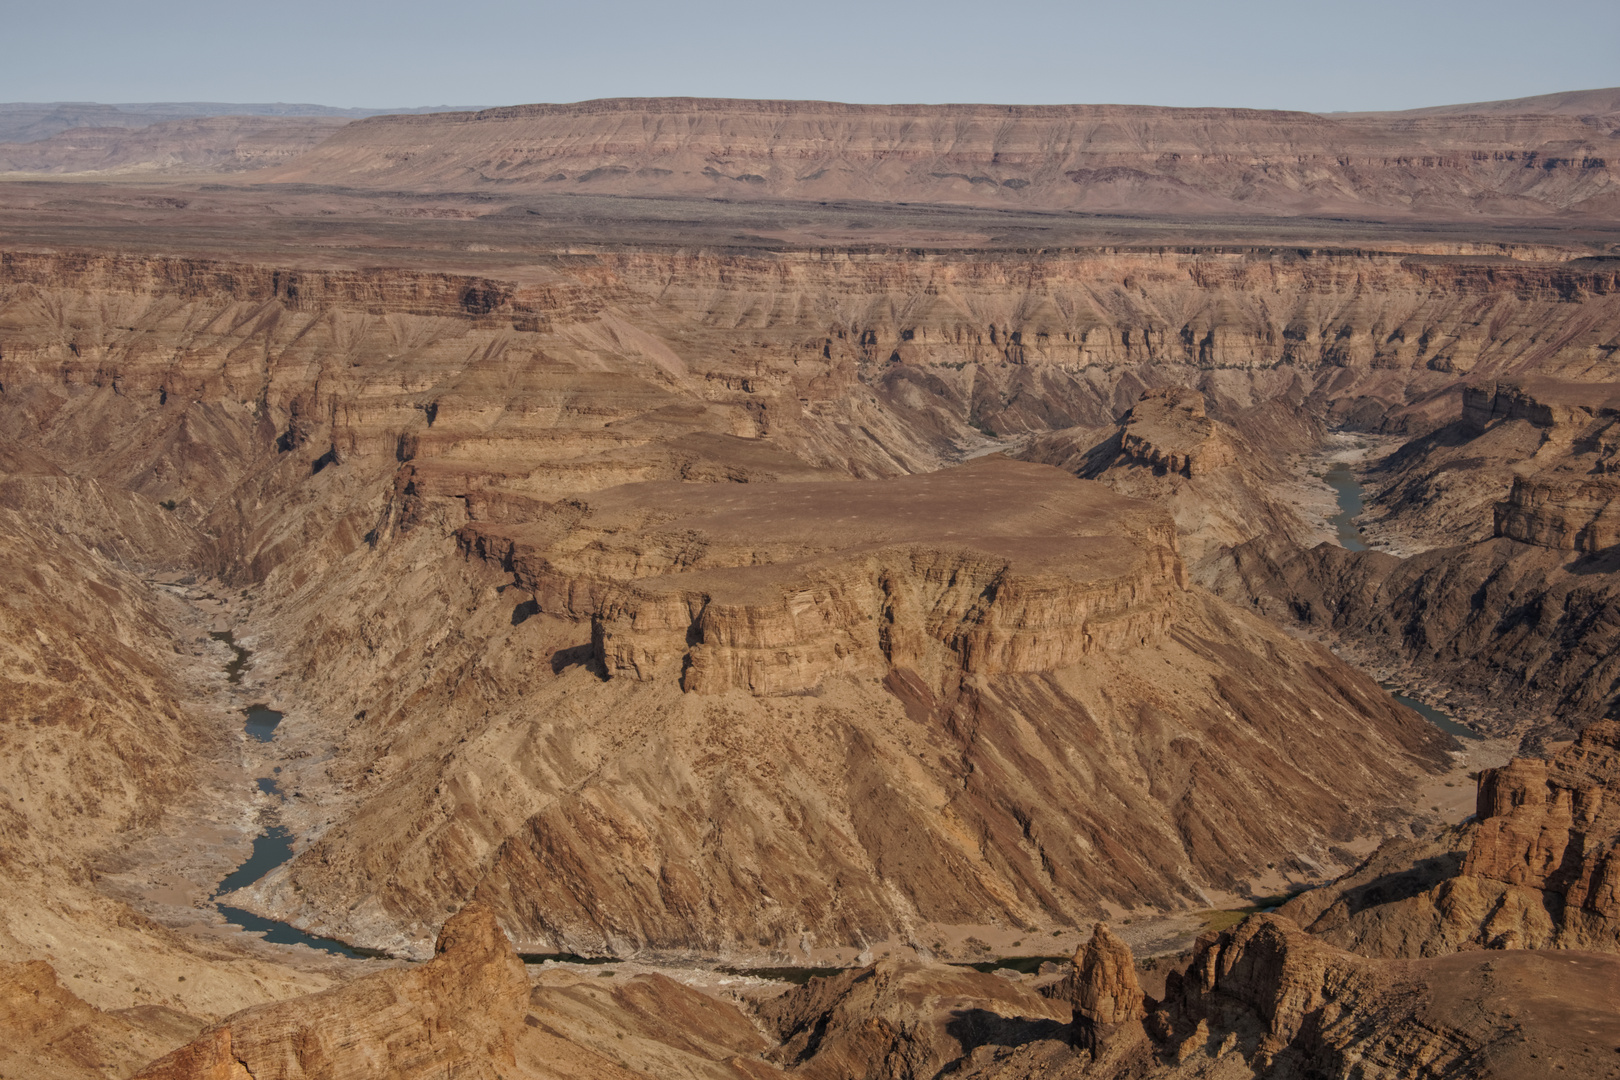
(1535, 870)
(1528, 601)
(1091, 157)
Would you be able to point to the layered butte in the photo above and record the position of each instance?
(993, 567)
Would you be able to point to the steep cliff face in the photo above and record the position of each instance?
(984, 569)
(1072, 156)
(1536, 870)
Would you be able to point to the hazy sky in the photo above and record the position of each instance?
(1346, 55)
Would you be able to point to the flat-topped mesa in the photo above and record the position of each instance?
(1542, 401)
(996, 566)
(1168, 431)
(1562, 511)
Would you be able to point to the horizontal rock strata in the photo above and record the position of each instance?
(1073, 156)
(1537, 869)
(1010, 567)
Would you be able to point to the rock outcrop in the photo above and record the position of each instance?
(52, 1034)
(459, 1014)
(905, 1019)
(1169, 431)
(1108, 990)
(1563, 512)
(1537, 869)
(1104, 993)
(1290, 1005)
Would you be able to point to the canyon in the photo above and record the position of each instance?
(765, 633)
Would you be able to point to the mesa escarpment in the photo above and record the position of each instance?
(1094, 157)
(987, 568)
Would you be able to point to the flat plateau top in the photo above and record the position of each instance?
(1037, 519)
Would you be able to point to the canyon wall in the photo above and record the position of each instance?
(1091, 157)
(399, 461)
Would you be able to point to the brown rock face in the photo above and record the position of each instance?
(1537, 870)
(1169, 431)
(1539, 400)
(1294, 1006)
(1220, 478)
(51, 1033)
(1554, 825)
(1104, 992)
(1109, 992)
(459, 1014)
(903, 1019)
(1566, 513)
(989, 568)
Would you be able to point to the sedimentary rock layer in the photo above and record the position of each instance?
(1072, 156)
(984, 569)
(1535, 870)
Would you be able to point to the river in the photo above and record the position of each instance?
(1352, 502)
(272, 847)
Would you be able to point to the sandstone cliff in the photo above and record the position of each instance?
(988, 568)
(1536, 869)
(457, 1015)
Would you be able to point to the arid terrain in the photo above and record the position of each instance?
(676, 588)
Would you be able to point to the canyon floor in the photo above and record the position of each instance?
(824, 631)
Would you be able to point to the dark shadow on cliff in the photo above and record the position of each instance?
(974, 1028)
